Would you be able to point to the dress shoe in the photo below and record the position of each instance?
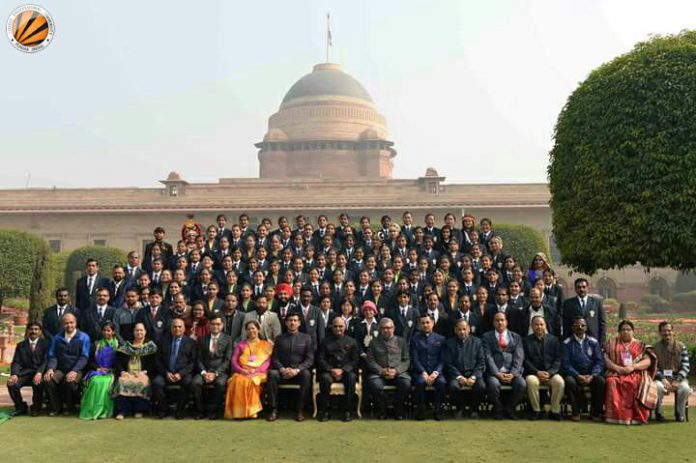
(324, 417)
(120, 417)
(179, 415)
(273, 416)
(575, 418)
(596, 418)
(382, 416)
(53, 413)
(199, 416)
(474, 416)
(498, 415)
(420, 415)
(20, 412)
(35, 411)
(659, 417)
(161, 414)
(679, 418)
(459, 415)
(347, 417)
(300, 417)
(510, 415)
(532, 415)
(399, 417)
(213, 416)
(438, 415)
(555, 416)
(138, 415)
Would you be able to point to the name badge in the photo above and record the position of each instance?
(311, 322)
(627, 359)
(375, 333)
(592, 312)
(381, 310)
(159, 323)
(667, 373)
(410, 323)
(589, 352)
(252, 358)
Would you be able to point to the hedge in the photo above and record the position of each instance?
(59, 261)
(657, 303)
(522, 242)
(106, 256)
(25, 270)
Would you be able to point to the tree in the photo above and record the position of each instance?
(106, 256)
(622, 169)
(522, 242)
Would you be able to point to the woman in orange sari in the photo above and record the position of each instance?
(250, 362)
(625, 358)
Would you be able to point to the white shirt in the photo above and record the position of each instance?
(534, 313)
(213, 337)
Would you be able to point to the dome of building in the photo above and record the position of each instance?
(373, 133)
(275, 135)
(324, 80)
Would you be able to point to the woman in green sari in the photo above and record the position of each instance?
(135, 367)
(96, 400)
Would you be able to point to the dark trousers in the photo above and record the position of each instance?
(573, 391)
(402, 384)
(219, 383)
(325, 381)
(159, 393)
(303, 378)
(62, 393)
(477, 391)
(16, 394)
(419, 386)
(519, 389)
(129, 405)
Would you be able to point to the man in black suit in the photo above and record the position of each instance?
(28, 365)
(176, 359)
(222, 230)
(92, 319)
(291, 362)
(338, 362)
(155, 317)
(464, 363)
(464, 312)
(87, 286)
(542, 365)
(133, 268)
(118, 286)
(309, 316)
(52, 316)
(504, 365)
(166, 248)
(212, 366)
(587, 307)
(404, 315)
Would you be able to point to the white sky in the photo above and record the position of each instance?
(130, 90)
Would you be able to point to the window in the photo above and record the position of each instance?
(99, 242)
(55, 245)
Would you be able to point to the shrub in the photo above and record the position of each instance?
(522, 242)
(656, 302)
(25, 271)
(59, 261)
(106, 256)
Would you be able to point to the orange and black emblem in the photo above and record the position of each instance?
(30, 28)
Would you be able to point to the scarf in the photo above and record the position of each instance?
(669, 356)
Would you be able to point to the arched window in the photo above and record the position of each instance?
(658, 285)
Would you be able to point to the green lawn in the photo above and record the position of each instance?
(69, 439)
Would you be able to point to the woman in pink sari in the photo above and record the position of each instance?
(625, 358)
(250, 362)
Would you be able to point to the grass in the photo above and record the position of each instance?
(69, 439)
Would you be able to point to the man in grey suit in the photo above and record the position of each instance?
(388, 362)
(212, 367)
(269, 322)
(504, 366)
(232, 318)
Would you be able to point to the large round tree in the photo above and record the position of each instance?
(622, 171)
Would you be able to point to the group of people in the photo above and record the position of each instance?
(230, 315)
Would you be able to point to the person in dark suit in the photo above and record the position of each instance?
(427, 366)
(92, 319)
(464, 363)
(463, 311)
(68, 355)
(504, 365)
(542, 365)
(587, 307)
(536, 308)
(87, 285)
(388, 362)
(309, 316)
(155, 317)
(337, 362)
(212, 367)
(435, 310)
(118, 286)
(176, 360)
(404, 316)
(222, 230)
(52, 316)
(325, 318)
(28, 365)
(167, 251)
(291, 362)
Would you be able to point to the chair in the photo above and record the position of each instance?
(337, 389)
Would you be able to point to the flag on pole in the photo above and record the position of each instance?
(328, 29)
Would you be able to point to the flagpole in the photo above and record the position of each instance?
(328, 36)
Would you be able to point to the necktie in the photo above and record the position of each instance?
(501, 341)
(60, 313)
(316, 287)
(582, 304)
(403, 313)
(101, 313)
(32, 346)
(89, 283)
(174, 354)
(213, 348)
(283, 311)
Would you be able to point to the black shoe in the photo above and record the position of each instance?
(300, 417)
(555, 416)
(179, 415)
(20, 412)
(420, 415)
(439, 416)
(532, 415)
(35, 411)
(273, 416)
(382, 416)
(213, 416)
(474, 416)
(399, 417)
(499, 415)
(510, 415)
(324, 417)
(161, 414)
(659, 417)
(347, 417)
